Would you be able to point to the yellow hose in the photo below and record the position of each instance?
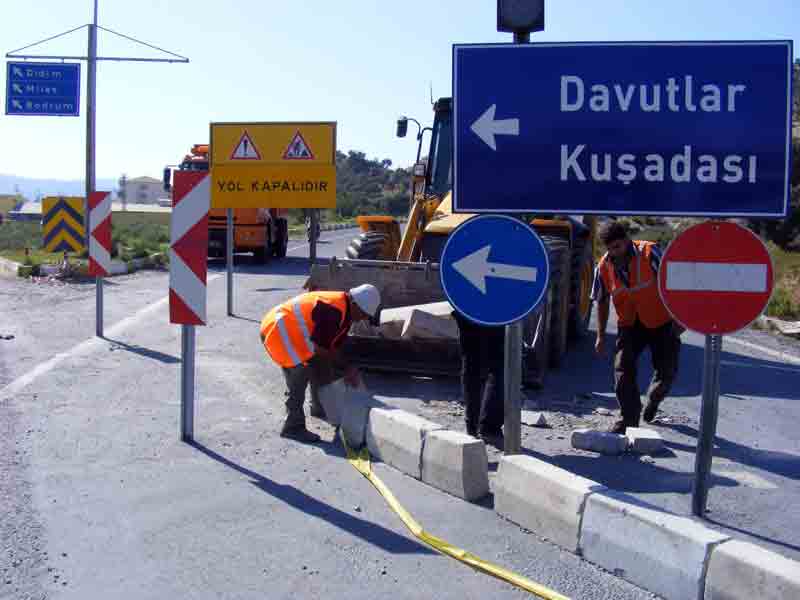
(361, 462)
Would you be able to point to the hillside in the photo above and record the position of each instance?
(32, 188)
(365, 186)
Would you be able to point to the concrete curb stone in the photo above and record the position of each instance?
(742, 571)
(664, 553)
(456, 463)
(599, 441)
(543, 498)
(644, 441)
(348, 409)
(397, 437)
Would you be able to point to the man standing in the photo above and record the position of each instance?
(482, 350)
(628, 274)
(303, 336)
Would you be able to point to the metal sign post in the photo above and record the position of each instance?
(312, 242)
(229, 257)
(708, 423)
(91, 110)
(187, 382)
(512, 424)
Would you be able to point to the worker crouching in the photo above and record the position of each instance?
(303, 336)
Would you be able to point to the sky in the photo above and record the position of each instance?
(361, 63)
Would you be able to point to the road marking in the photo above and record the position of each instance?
(784, 356)
(746, 479)
(338, 237)
(737, 364)
(84, 348)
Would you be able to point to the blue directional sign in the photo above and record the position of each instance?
(494, 269)
(684, 128)
(43, 89)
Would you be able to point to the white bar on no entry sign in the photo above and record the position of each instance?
(716, 277)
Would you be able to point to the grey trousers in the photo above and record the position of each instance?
(317, 372)
(665, 349)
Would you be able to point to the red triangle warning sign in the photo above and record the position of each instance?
(298, 149)
(245, 149)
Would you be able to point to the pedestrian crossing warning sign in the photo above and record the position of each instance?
(245, 149)
(298, 149)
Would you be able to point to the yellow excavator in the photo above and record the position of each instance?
(404, 265)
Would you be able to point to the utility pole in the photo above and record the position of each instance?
(91, 97)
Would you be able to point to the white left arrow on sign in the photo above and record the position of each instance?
(476, 267)
(485, 127)
(17, 72)
(17, 88)
(16, 104)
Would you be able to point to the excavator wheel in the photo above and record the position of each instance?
(560, 271)
(367, 246)
(581, 288)
(536, 344)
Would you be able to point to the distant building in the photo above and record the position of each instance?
(8, 202)
(142, 190)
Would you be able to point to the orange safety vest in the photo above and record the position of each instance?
(287, 328)
(640, 298)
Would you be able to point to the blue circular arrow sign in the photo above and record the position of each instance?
(494, 269)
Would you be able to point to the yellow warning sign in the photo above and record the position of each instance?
(273, 143)
(273, 186)
(273, 165)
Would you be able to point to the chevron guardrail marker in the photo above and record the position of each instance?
(189, 248)
(100, 238)
(62, 224)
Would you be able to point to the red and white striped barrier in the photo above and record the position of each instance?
(188, 262)
(100, 234)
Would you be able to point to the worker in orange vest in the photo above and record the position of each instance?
(303, 335)
(628, 275)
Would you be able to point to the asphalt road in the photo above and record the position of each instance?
(101, 499)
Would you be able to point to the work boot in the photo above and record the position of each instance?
(493, 438)
(650, 410)
(299, 433)
(618, 427)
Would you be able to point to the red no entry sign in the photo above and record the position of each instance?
(716, 278)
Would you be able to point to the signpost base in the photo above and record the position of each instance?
(187, 382)
(708, 423)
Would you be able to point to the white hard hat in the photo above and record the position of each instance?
(367, 297)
